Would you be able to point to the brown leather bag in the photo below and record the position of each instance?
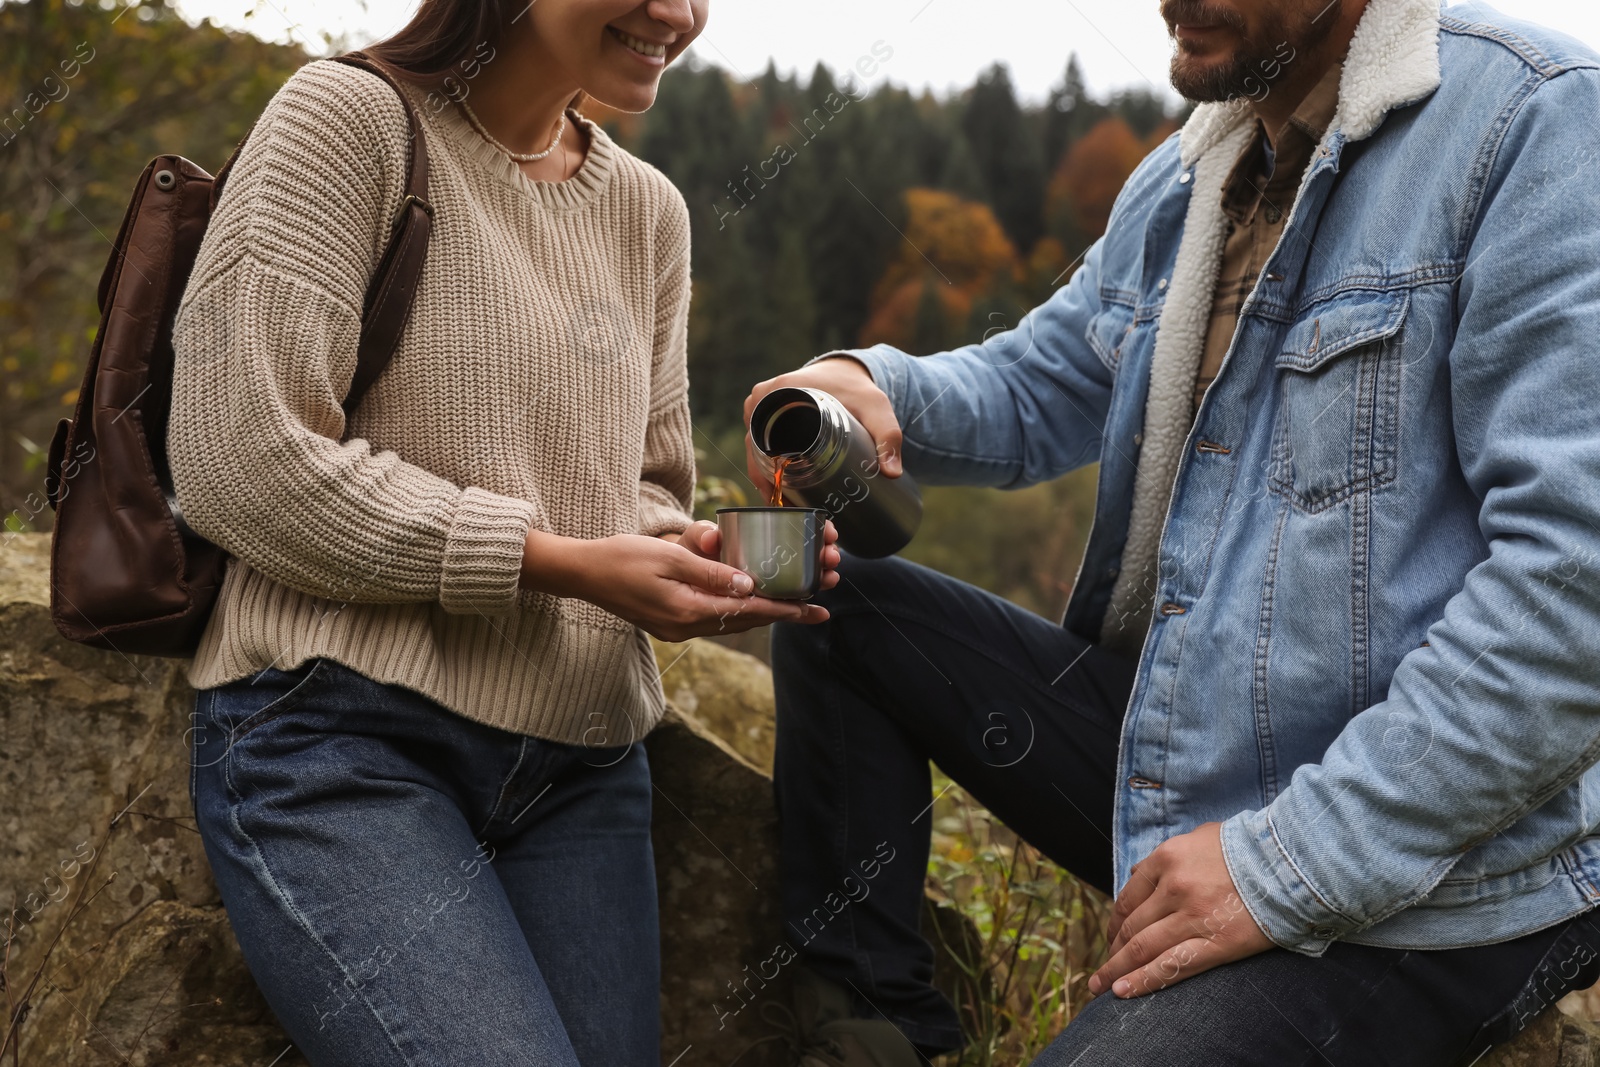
(126, 573)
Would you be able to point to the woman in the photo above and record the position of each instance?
(417, 759)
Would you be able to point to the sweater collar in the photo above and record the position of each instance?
(591, 178)
(1393, 61)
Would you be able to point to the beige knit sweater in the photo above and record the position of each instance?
(540, 382)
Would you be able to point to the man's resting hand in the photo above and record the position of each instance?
(1179, 914)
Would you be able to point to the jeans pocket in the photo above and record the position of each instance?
(284, 689)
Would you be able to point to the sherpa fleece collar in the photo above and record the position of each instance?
(1393, 61)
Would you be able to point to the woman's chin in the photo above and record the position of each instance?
(624, 96)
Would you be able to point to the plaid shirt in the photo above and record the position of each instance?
(1257, 198)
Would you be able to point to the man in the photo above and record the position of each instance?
(1325, 705)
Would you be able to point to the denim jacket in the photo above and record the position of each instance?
(1375, 652)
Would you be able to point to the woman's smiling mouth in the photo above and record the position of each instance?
(643, 48)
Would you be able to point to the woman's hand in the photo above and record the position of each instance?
(664, 589)
(705, 540)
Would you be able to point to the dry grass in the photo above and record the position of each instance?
(1041, 933)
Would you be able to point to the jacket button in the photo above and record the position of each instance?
(1183, 179)
(1162, 285)
(1173, 608)
(1138, 439)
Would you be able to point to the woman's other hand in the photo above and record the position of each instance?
(671, 591)
(705, 540)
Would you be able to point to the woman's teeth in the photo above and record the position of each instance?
(644, 48)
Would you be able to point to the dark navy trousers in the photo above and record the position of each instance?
(915, 666)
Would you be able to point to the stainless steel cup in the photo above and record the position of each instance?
(781, 548)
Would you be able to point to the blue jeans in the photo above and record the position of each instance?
(915, 666)
(412, 887)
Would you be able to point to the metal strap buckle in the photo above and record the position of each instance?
(412, 198)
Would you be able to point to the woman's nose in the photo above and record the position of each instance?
(675, 13)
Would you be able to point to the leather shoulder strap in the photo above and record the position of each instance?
(394, 284)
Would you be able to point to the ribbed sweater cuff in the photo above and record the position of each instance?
(483, 553)
(656, 519)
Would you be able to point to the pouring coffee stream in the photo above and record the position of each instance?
(776, 497)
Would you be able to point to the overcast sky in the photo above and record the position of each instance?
(936, 43)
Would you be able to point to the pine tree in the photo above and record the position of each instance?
(1141, 109)
(960, 174)
(1062, 122)
(849, 246)
(1008, 156)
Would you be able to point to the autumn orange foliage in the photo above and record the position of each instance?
(1091, 174)
(1093, 171)
(954, 247)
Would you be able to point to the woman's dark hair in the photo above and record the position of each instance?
(441, 34)
(447, 37)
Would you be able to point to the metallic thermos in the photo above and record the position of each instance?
(829, 462)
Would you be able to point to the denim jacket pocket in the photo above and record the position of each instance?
(1108, 331)
(1338, 399)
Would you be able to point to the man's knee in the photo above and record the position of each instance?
(866, 587)
(1212, 1018)
(870, 584)
(863, 600)
(798, 647)
(1114, 1033)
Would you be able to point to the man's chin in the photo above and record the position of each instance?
(1206, 79)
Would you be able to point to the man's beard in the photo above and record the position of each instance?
(1286, 36)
